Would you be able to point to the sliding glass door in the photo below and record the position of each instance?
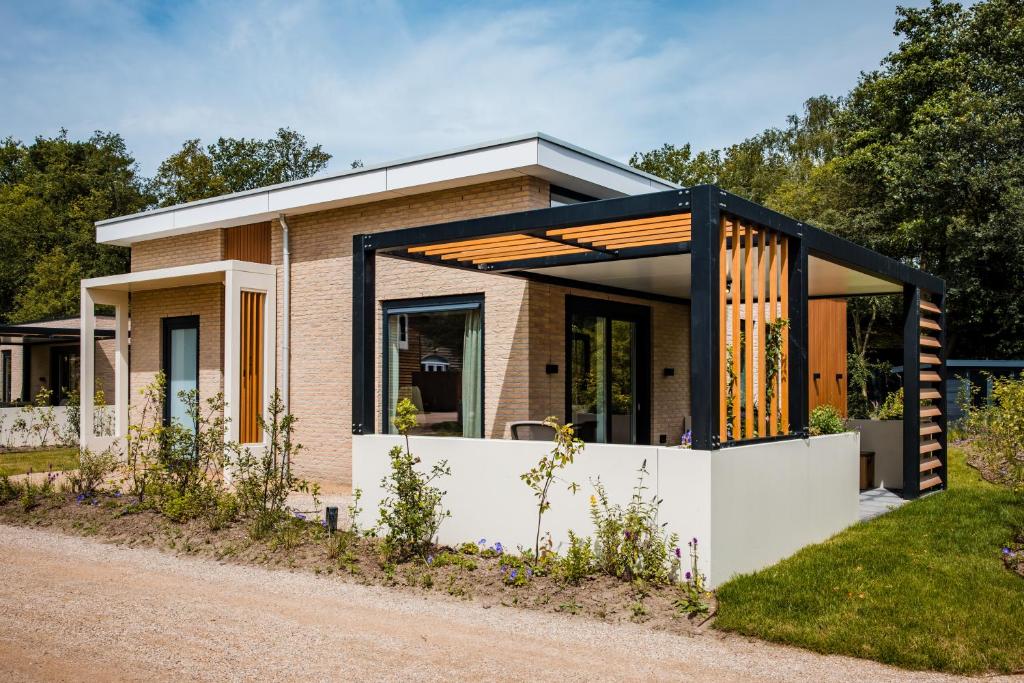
(608, 356)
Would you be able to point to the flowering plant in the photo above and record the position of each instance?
(693, 593)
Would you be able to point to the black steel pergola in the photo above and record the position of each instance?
(707, 206)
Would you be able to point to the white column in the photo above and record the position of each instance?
(232, 361)
(87, 369)
(121, 377)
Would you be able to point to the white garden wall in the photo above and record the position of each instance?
(885, 438)
(10, 437)
(749, 506)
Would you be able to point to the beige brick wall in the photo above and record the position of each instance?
(321, 321)
(670, 335)
(104, 367)
(179, 250)
(147, 310)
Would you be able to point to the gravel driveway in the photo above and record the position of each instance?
(72, 609)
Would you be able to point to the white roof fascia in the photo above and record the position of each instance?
(535, 154)
(176, 276)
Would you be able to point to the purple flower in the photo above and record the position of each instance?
(627, 535)
(430, 559)
(323, 522)
(482, 541)
(529, 573)
(498, 548)
(299, 515)
(688, 576)
(679, 553)
(512, 575)
(694, 540)
(1006, 551)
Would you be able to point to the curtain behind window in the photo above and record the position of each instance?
(393, 369)
(472, 371)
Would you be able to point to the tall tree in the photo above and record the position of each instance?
(51, 193)
(235, 164)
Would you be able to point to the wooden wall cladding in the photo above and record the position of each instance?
(826, 354)
(248, 243)
(251, 367)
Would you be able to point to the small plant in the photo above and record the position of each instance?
(450, 559)
(265, 480)
(144, 438)
(93, 470)
(41, 419)
(891, 408)
(687, 440)
(825, 419)
(629, 543)
(774, 365)
(540, 477)
(693, 595)
(515, 571)
(411, 512)
(578, 562)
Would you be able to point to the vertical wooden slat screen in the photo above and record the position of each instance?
(737, 282)
(748, 346)
(773, 278)
(723, 432)
(761, 337)
(932, 446)
(248, 243)
(753, 297)
(251, 366)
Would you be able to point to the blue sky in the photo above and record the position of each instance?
(378, 81)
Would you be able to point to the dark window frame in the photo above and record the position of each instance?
(431, 304)
(6, 375)
(573, 196)
(182, 322)
(638, 314)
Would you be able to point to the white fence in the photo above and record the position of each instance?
(748, 506)
(21, 428)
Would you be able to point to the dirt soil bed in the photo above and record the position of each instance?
(304, 546)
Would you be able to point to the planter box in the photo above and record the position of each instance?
(885, 438)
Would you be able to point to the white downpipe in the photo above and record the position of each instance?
(286, 318)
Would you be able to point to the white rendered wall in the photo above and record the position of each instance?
(749, 506)
(769, 500)
(9, 438)
(885, 438)
(488, 500)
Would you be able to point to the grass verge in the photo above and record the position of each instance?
(922, 587)
(19, 462)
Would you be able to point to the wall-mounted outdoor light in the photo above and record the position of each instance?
(551, 369)
(668, 372)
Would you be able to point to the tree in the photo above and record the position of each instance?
(51, 193)
(53, 289)
(235, 164)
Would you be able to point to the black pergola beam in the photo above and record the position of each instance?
(704, 318)
(603, 211)
(798, 336)
(364, 321)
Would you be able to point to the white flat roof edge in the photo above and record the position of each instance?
(178, 272)
(394, 164)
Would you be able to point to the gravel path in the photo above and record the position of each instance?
(72, 608)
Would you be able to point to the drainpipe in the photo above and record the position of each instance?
(286, 322)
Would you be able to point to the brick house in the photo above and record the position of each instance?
(509, 281)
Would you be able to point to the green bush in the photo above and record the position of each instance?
(578, 562)
(411, 512)
(93, 470)
(891, 408)
(629, 543)
(997, 430)
(825, 419)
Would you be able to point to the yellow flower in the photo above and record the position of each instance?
(593, 500)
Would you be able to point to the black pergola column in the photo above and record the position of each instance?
(704, 317)
(798, 337)
(364, 320)
(912, 391)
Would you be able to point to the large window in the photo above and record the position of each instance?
(180, 365)
(433, 355)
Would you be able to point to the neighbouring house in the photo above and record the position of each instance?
(514, 280)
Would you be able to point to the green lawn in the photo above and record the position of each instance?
(922, 587)
(19, 462)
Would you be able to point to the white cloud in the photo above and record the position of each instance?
(382, 81)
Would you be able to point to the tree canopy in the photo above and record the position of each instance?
(54, 189)
(922, 160)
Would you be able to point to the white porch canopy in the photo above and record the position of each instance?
(116, 290)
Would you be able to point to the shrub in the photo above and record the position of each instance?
(998, 431)
(578, 562)
(540, 477)
(264, 481)
(628, 542)
(411, 512)
(144, 438)
(825, 419)
(515, 570)
(93, 470)
(891, 408)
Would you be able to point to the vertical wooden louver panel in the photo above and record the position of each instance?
(932, 411)
(773, 297)
(251, 366)
(248, 243)
(748, 344)
(723, 432)
(737, 282)
(761, 337)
